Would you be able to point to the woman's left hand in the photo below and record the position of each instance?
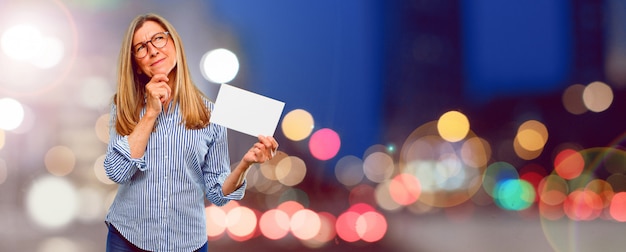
(261, 151)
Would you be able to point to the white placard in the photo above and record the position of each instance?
(246, 112)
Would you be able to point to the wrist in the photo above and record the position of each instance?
(246, 164)
(150, 115)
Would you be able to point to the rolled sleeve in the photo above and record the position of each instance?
(119, 166)
(235, 195)
(217, 168)
(123, 147)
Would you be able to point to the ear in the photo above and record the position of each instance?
(139, 71)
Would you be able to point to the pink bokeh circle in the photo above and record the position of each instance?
(324, 144)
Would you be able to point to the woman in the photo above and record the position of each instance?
(163, 152)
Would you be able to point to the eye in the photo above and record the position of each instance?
(158, 38)
(139, 47)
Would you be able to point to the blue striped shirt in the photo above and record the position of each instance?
(159, 204)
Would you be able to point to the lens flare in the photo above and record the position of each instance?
(22, 42)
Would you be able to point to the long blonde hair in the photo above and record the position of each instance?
(130, 94)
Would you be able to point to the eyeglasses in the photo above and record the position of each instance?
(159, 40)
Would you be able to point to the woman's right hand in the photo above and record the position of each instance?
(158, 92)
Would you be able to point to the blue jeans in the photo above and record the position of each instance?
(117, 243)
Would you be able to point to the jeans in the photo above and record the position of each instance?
(117, 243)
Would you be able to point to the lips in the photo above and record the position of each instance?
(157, 62)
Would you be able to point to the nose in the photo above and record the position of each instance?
(152, 50)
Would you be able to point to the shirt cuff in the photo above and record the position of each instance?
(235, 195)
(123, 147)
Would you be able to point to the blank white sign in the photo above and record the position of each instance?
(246, 112)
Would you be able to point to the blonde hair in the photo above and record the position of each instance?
(129, 98)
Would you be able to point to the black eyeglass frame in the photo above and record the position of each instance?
(144, 45)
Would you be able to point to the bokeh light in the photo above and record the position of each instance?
(4, 171)
(569, 164)
(96, 92)
(582, 205)
(524, 153)
(553, 190)
(60, 160)
(453, 126)
(324, 144)
(534, 174)
(22, 42)
(102, 128)
(514, 194)
(98, 170)
(371, 226)
(383, 197)
(55, 244)
(241, 223)
(50, 54)
(378, 166)
(476, 152)
(219, 65)
(41, 45)
(349, 170)
(445, 179)
(274, 224)
(215, 221)
(405, 189)
(52, 202)
(532, 135)
(497, 173)
(617, 208)
(326, 231)
(361, 222)
(290, 171)
(603, 189)
(11, 114)
(2, 138)
(268, 169)
(410, 188)
(598, 96)
(290, 207)
(573, 99)
(305, 224)
(297, 124)
(29, 120)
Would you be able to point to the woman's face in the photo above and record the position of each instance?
(155, 60)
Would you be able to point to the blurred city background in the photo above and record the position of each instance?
(410, 125)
